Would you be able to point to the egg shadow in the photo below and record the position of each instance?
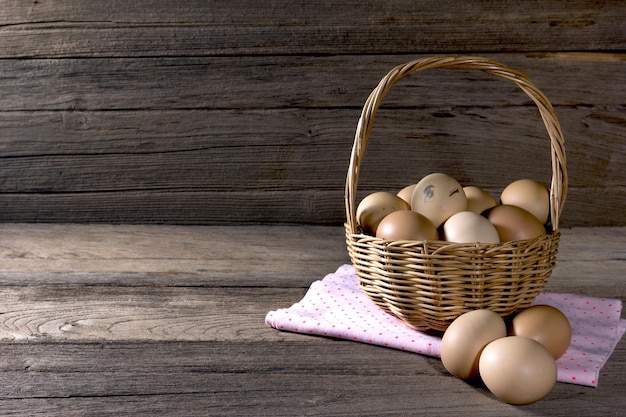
(476, 383)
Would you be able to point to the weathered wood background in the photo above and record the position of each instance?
(239, 111)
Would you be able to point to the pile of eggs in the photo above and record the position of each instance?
(515, 359)
(439, 208)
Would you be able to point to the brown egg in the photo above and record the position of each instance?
(545, 324)
(530, 195)
(374, 207)
(438, 196)
(478, 200)
(517, 370)
(406, 225)
(406, 193)
(515, 223)
(465, 338)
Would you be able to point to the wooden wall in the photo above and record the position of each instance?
(244, 111)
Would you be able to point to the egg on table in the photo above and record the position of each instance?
(517, 370)
(545, 324)
(464, 340)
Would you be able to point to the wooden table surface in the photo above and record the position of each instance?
(169, 320)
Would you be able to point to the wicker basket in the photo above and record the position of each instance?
(427, 284)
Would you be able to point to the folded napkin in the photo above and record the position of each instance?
(336, 307)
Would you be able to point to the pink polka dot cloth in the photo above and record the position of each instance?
(336, 307)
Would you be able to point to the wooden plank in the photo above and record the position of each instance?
(79, 312)
(289, 378)
(585, 207)
(140, 255)
(67, 28)
(242, 82)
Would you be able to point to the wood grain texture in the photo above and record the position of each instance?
(166, 27)
(147, 320)
(140, 255)
(110, 282)
(278, 82)
(277, 379)
(235, 113)
(185, 167)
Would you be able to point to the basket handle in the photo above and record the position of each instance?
(558, 186)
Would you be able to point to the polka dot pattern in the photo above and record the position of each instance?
(336, 307)
(597, 327)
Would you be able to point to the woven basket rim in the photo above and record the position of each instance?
(559, 180)
(441, 245)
